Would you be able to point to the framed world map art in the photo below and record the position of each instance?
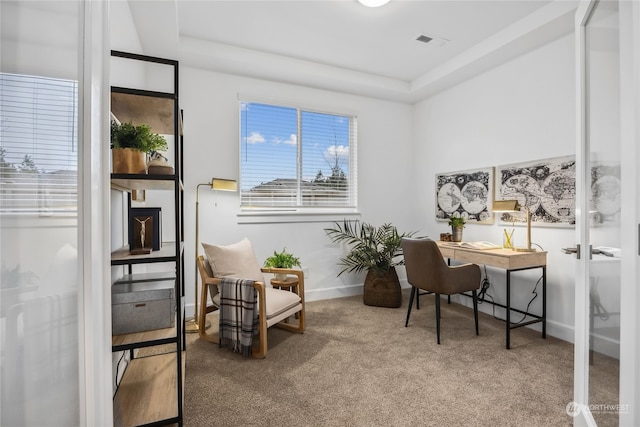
(547, 187)
(465, 193)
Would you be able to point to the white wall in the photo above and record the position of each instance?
(520, 111)
(211, 149)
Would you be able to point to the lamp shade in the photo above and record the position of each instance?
(224, 184)
(506, 206)
(373, 3)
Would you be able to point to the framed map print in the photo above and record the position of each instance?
(465, 193)
(605, 192)
(547, 187)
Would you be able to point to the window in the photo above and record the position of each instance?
(38, 144)
(295, 158)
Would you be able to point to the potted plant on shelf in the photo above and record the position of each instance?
(282, 259)
(376, 250)
(130, 144)
(457, 224)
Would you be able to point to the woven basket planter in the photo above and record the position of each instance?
(382, 290)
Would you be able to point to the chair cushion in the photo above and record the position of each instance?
(278, 301)
(237, 260)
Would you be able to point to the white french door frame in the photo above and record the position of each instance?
(629, 12)
(96, 405)
(630, 241)
(581, 331)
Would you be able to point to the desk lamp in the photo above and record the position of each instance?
(215, 184)
(513, 206)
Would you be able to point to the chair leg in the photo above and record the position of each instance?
(438, 317)
(418, 300)
(414, 290)
(475, 309)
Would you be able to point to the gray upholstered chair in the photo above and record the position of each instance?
(426, 270)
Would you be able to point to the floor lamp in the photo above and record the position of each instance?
(215, 184)
(514, 206)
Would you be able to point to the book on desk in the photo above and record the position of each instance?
(481, 245)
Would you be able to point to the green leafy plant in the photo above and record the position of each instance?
(282, 259)
(126, 135)
(371, 248)
(457, 221)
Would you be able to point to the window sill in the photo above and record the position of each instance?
(294, 216)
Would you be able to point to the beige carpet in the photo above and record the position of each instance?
(359, 366)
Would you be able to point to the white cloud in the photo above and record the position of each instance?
(254, 138)
(293, 140)
(339, 151)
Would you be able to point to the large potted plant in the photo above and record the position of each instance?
(130, 144)
(376, 250)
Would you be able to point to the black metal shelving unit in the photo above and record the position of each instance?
(161, 370)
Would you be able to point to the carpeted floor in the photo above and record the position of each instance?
(357, 365)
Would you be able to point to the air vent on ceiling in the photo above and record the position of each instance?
(432, 40)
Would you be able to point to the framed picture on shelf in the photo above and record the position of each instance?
(145, 230)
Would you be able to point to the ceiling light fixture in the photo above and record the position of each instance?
(373, 3)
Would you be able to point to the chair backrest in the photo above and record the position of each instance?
(425, 265)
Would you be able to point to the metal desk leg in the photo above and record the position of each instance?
(544, 302)
(508, 320)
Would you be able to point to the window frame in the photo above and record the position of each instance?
(38, 204)
(300, 212)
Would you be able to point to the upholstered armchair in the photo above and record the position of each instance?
(281, 305)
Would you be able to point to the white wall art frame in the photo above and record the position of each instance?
(547, 187)
(465, 193)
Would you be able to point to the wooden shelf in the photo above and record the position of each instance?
(167, 253)
(148, 391)
(136, 338)
(128, 182)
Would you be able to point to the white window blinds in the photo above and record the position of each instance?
(296, 158)
(38, 144)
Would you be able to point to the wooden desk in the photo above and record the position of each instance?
(510, 261)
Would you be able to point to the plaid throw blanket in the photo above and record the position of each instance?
(238, 315)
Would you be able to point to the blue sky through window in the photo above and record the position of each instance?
(269, 144)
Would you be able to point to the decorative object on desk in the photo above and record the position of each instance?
(159, 164)
(221, 184)
(378, 251)
(145, 230)
(547, 188)
(457, 224)
(510, 206)
(282, 259)
(130, 144)
(480, 245)
(446, 237)
(465, 193)
(507, 238)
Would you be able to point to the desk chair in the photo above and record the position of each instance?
(427, 271)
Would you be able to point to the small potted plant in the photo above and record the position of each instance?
(130, 144)
(282, 259)
(457, 224)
